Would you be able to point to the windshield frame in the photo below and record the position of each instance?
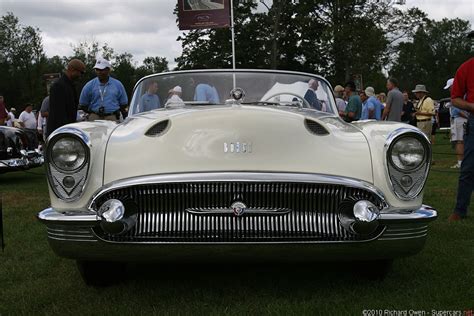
(330, 91)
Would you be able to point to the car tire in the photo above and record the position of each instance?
(101, 273)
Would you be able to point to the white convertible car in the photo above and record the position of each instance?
(237, 165)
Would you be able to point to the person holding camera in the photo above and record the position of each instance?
(104, 97)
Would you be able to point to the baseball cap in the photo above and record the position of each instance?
(177, 89)
(449, 83)
(102, 63)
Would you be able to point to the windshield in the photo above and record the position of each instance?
(263, 88)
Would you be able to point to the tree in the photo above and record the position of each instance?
(21, 57)
(433, 55)
(152, 65)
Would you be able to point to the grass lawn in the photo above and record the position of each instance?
(33, 280)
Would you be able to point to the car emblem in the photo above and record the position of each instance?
(238, 208)
(238, 147)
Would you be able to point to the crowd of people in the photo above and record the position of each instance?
(394, 106)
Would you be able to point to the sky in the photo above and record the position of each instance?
(143, 27)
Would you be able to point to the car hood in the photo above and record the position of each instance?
(205, 139)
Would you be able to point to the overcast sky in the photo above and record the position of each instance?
(143, 27)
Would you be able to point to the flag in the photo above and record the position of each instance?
(203, 14)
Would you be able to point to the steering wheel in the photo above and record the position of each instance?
(305, 103)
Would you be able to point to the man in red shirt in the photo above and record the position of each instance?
(462, 96)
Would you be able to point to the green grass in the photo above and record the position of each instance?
(33, 280)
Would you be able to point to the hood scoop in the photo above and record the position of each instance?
(158, 129)
(315, 128)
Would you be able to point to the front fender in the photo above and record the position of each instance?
(377, 133)
(98, 134)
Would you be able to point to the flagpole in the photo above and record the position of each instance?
(233, 32)
(233, 40)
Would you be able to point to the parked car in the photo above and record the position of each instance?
(236, 166)
(17, 150)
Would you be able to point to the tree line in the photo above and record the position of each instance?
(334, 38)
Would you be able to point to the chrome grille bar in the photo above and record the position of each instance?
(162, 215)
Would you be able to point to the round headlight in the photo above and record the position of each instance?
(408, 153)
(68, 154)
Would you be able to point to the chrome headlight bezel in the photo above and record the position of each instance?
(407, 168)
(417, 174)
(56, 163)
(58, 177)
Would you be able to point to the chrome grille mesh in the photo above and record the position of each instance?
(162, 215)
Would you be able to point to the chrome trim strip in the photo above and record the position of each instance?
(91, 237)
(239, 177)
(388, 142)
(375, 238)
(71, 130)
(423, 213)
(268, 71)
(49, 215)
(75, 240)
(230, 211)
(402, 238)
(387, 234)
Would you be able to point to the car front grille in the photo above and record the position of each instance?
(309, 212)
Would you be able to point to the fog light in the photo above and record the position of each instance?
(406, 181)
(69, 182)
(113, 216)
(112, 211)
(365, 211)
(359, 217)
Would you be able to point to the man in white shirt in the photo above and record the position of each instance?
(27, 118)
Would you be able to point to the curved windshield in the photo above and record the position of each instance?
(263, 88)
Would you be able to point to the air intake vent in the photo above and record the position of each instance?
(158, 129)
(315, 128)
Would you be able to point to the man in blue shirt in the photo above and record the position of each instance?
(103, 97)
(206, 93)
(377, 105)
(368, 108)
(150, 100)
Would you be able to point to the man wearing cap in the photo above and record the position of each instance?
(175, 96)
(458, 119)
(424, 110)
(103, 97)
(63, 97)
(311, 95)
(462, 96)
(354, 104)
(375, 103)
(394, 105)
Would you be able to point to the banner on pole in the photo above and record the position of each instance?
(203, 14)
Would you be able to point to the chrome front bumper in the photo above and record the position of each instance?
(29, 160)
(72, 236)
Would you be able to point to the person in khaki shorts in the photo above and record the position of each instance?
(424, 110)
